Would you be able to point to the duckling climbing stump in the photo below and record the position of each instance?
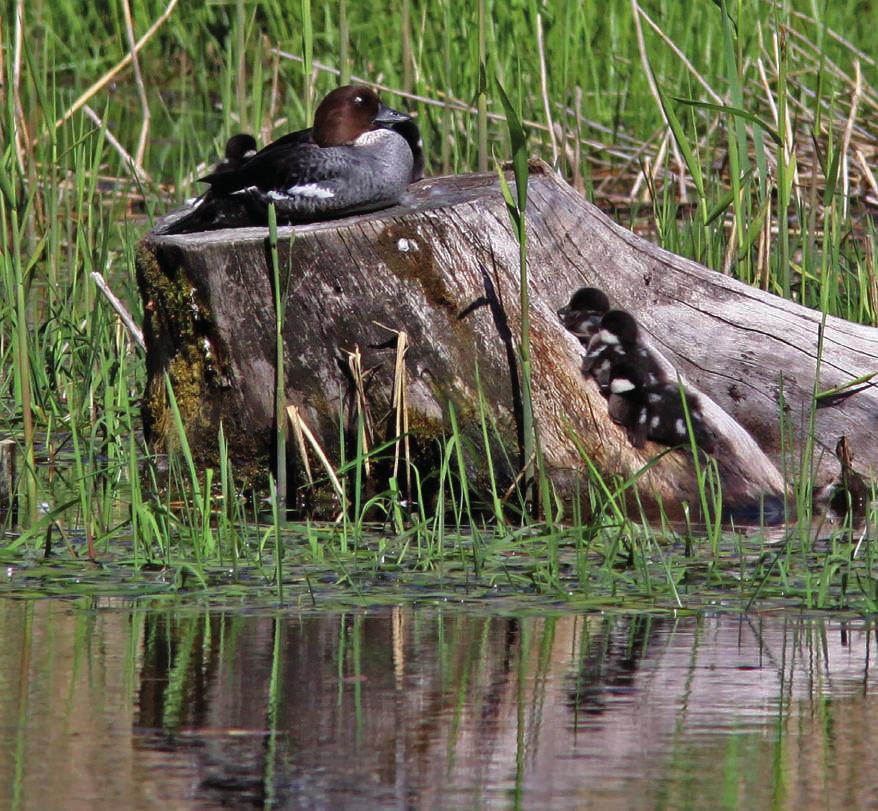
(419, 268)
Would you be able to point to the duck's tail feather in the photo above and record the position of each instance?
(210, 214)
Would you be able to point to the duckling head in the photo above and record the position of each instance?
(618, 327)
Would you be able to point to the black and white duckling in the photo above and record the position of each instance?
(582, 314)
(239, 148)
(626, 402)
(654, 410)
(618, 341)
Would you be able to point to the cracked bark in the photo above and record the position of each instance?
(416, 267)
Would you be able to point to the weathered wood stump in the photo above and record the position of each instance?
(416, 268)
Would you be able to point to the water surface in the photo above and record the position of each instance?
(111, 706)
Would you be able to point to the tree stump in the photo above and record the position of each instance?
(419, 268)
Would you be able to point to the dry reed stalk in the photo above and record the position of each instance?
(140, 174)
(830, 33)
(297, 420)
(520, 477)
(867, 172)
(731, 248)
(577, 141)
(123, 63)
(400, 405)
(786, 126)
(443, 101)
(765, 238)
(21, 137)
(398, 628)
(355, 364)
(872, 286)
(846, 138)
(696, 74)
(133, 330)
(648, 170)
(653, 89)
(141, 88)
(274, 98)
(544, 90)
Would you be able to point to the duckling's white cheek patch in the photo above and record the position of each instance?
(608, 338)
(654, 423)
(307, 190)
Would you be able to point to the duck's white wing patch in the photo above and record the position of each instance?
(305, 190)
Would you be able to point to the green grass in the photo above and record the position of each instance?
(72, 203)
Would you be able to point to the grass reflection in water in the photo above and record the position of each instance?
(431, 707)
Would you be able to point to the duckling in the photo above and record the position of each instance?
(667, 420)
(239, 149)
(618, 341)
(849, 494)
(582, 314)
(655, 410)
(627, 402)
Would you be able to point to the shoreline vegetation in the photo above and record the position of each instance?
(740, 135)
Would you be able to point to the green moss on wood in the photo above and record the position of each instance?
(177, 325)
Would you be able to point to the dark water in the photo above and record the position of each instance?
(107, 706)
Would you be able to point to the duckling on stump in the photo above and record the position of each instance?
(655, 410)
(618, 341)
(582, 314)
(849, 493)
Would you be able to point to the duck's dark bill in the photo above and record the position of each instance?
(386, 115)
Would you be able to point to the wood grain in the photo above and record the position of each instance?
(416, 267)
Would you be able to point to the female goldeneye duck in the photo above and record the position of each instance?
(582, 314)
(617, 340)
(239, 148)
(348, 162)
